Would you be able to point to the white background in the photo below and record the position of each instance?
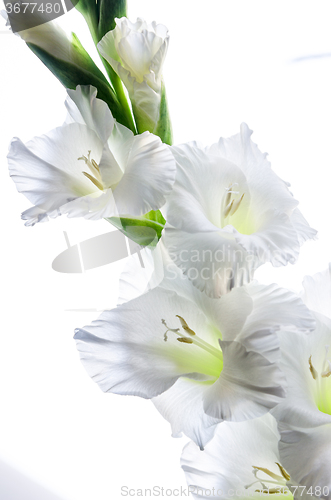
(229, 61)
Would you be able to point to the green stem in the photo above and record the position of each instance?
(119, 90)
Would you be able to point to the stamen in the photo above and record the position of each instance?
(95, 165)
(312, 369)
(196, 340)
(276, 483)
(94, 168)
(268, 472)
(228, 209)
(284, 472)
(237, 204)
(228, 196)
(185, 325)
(230, 205)
(95, 181)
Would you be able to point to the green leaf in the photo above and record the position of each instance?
(146, 230)
(164, 127)
(80, 69)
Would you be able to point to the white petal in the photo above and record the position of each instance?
(62, 146)
(110, 171)
(273, 308)
(148, 176)
(120, 143)
(44, 185)
(304, 231)
(94, 207)
(137, 51)
(275, 241)
(317, 292)
(248, 387)
(83, 107)
(213, 261)
(182, 406)
(277, 307)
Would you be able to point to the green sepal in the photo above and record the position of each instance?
(164, 128)
(146, 230)
(108, 11)
(81, 71)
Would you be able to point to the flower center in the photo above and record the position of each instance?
(188, 337)
(270, 483)
(94, 168)
(231, 201)
(323, 381)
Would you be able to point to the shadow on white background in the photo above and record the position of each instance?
(16, 486)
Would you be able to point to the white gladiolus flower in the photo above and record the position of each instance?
(136, 52)
(200, 360)
(229, 213)
(305, 416)
(242, 461)
(91, 166)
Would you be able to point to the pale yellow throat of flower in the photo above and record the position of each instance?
(322, 391)
(232, 211)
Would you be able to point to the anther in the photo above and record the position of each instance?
(185, 325)
(284, 472)
(186, 340)
(312, 369)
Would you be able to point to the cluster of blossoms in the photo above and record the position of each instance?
(240, 368)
